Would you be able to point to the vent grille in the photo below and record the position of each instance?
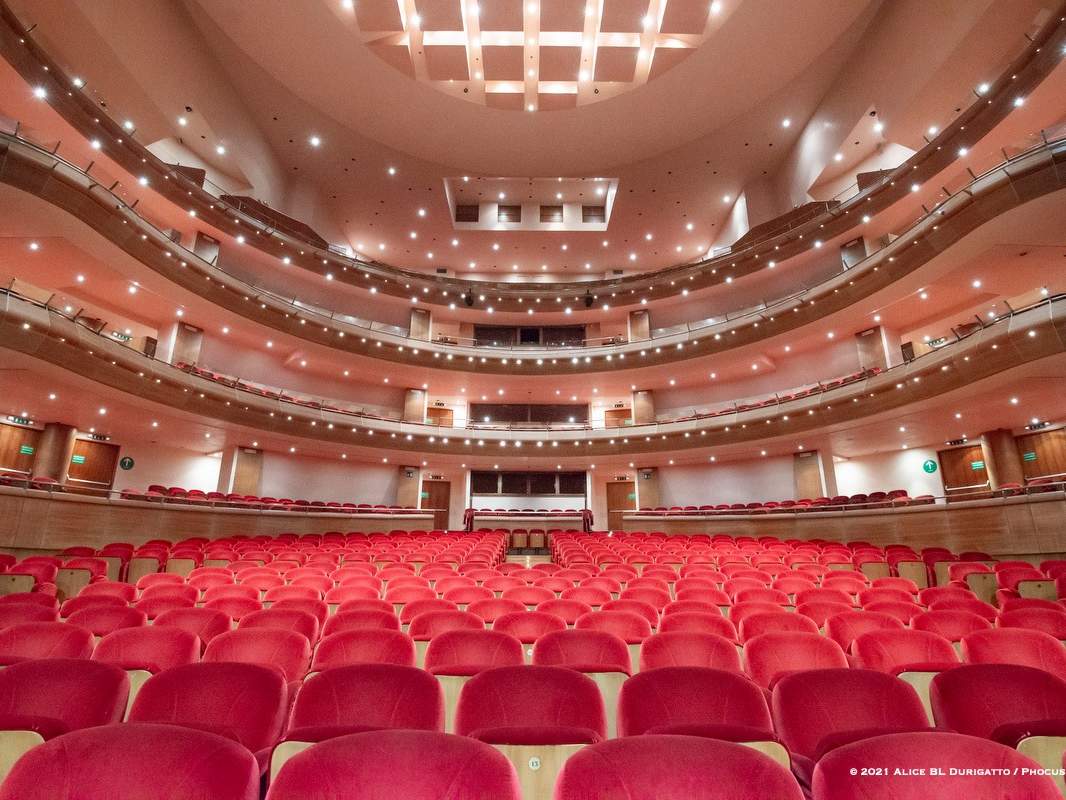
(509, 213)
(551, 213)
(466, 213)
(593, 214)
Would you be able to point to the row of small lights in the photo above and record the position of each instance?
(315, 141)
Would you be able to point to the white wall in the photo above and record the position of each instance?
(299, 477)
(733, 482)
(515, 502)
(170, 466)
(899, 469)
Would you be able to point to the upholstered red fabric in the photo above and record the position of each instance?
(896, 651)
(102, 620)
(1051, 622)
(302, 622)
(567, 610)
(31, 640)
(671, 699)
(364, 697)
(16, 613)
(583, 650)
(383, 765)
(494, 608)
(627, 626)
(769, 622)
(845, 627)
(673, 768)
(153, 648)
(952, 625)
(818, 709)
(839, 774)
(528, 626)
(78, 603)
(286, 651)
(53, 696)
(204, 623)
(772, 655)
(689, 649)
(1016, 646)
(699, 623)
(531, 705)
(364, 646)
(468, 652)
(425, 627)
(243, 702)
(126, 591)
(234, 607)
(360, 620)
(986, 699)
(639, 607)
(821, 610)
(115, 762)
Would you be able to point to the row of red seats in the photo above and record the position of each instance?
(178, 494)
(894, 498)
(811, 720)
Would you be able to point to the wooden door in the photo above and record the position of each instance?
(92, 464)
(621, 496)
(438, 495)
(963, 469)
(616, 417)
(437, 415)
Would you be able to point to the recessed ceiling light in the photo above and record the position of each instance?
(786, 123)
(838, 157)
(221, 150)
(392, 170)
(182, 121)
(40, 93)
(314, 141)
(726, 198)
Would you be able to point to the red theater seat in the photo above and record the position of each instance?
(153, 648)
(818, 710)
(952, 625)
(243, 702)
(689, 649)
(287, 652)
(102, 620)
(360, 620)
(673, 768)
(364, 646)
(847, 626)
(134, 761)
(1016, 646)
(413, 765)
(33, 640)
(962, 761)
(528, 626)
(284, 619)
(769, 657)
(468, 652)
(698, 623)
(774, 621)
(896, 651)
(204, 623)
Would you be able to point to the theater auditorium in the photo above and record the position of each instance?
(532, 399)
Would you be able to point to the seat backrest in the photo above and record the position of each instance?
(427, 626)
(689, 649)
(302, 622)
(673, 768)
(963, 760)
(687, 699)
(360, 620)
(286, 651)
(771, 655)
(845, 627)
(770, 621)
(414, 765)
(952, 625)
(698, 622)
(894, 650)
(16, 613)
(1016, 646)
(626, 625)
(32, 640)
(981, 699)
(204, 623)
(583, 650)
(528, 626)
(102, 620)
(61, 694)
(135, 760)
(243, 702)
(468, 652)
(153, 648)
(1047, 620)
(370, 696)
(534, 699)
(814, 709)
(364, 646)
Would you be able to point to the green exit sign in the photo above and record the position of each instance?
(77, 460)
(25, 450)
(1030, 456)
(977, 465)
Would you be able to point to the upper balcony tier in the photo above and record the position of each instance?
(283, 240)
(1031, 174)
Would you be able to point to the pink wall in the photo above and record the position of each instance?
(170, 466)
(321, 479)
(899, 469)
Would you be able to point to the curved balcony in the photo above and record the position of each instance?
(1038, 58)
(1013, 340)
(1028, 175)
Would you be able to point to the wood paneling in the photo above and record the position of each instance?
(435, 415)
(12, 439)
(639, 326)
(247, 471)
(807, 474)
(1004, 527)
(1048, 449)
(98, 467)
(957, 467)
(188, 341)
(621, 497)
(420, 324)
(871, 347)
(414, 405)
(647, 487)
(437, 495)
(617, 417)
(643, 407)
(31, 519)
